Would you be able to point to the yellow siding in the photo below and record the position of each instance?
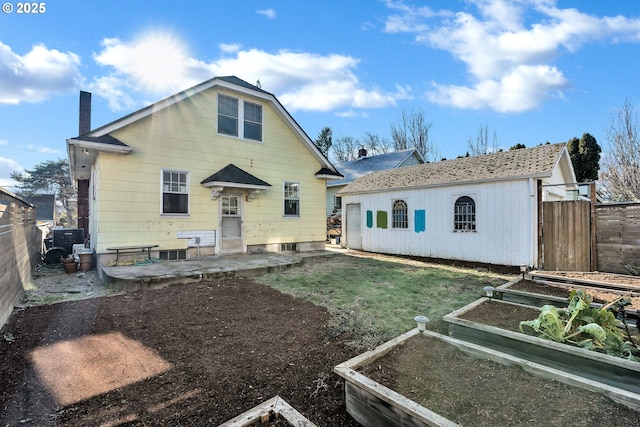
(183, 137)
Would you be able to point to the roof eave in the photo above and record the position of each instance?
(445, 184)
(235, 185)
(99, 146)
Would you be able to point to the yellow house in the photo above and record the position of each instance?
(219, 168)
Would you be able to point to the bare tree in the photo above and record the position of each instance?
(345, 148)
(480, 144)
(375, 144)
(413, 132)
(621, 161)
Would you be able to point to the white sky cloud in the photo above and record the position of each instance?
(36, 75)
(269, 13)
(42, 149)
(230, 47)
(6, 167)
(509, 59)
(300, 80)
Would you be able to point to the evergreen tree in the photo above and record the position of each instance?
(585, 157)
(50, 177)
(323, 141)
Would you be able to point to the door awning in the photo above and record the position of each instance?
(232, 176)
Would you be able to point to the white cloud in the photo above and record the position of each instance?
(230, 47)
(36, 75)
(159, 64)
(6, 167)
(509, 60)
(42, 149)
(269, 13)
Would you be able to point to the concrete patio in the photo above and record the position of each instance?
(159, 274)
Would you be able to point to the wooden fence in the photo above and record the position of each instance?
(567, 235)
(618, 236)
(20, 241)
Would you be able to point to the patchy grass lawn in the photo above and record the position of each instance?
(378, 299)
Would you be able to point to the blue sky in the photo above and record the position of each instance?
(531, 71)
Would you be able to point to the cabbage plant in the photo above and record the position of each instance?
(584, 326)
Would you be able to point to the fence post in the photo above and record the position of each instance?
(594, 220)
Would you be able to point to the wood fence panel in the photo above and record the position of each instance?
(618, 236)
(566, 229)
(20, 242)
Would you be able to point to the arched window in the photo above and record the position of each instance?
(464, 214)
(400, 214)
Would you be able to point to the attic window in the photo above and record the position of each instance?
(232, 111)
(464, 214)
(227, 115)
(252, 121)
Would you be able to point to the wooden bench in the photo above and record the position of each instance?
(140, 248)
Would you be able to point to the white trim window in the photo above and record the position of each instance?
(232, 111)
(464, 214)
(252, 121)
(291, 199)
(399, 214)
(227, 115)
(175, 192)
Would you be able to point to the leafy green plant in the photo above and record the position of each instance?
(584, 326)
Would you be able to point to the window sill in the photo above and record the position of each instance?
(240, 138)
(175, 215)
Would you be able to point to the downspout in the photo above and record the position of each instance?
(540, 254)
(532, 226)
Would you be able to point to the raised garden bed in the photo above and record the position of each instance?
(428, 379)
(588, 364)
(275, 412)
(537, 294)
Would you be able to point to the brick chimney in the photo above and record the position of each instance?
(362, 152)
(84, 121)
(84, 126)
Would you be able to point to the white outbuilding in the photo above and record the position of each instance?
(484, 209)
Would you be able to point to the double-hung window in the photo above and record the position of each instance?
(227, 115)
(232, 111)
(175, 192)
(291, 199)
(252, 121)
(464, 214)
(400, 214)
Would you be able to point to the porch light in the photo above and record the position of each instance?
(422, 322)
(489, 290)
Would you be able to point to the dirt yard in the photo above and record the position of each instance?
(189, 355)
(196, 354)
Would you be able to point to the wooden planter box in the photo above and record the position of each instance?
(262, 413)
(610, 370)
(372, 404)
(505, 293)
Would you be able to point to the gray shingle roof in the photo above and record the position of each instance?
(526, 162)
(231, 174)
(365, 165)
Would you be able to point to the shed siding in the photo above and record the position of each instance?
(502, 223)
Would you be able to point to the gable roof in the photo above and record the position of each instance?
(536, 162)
(231, 174)
(362, 166)
(99, 138)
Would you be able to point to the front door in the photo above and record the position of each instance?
(231, 224)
